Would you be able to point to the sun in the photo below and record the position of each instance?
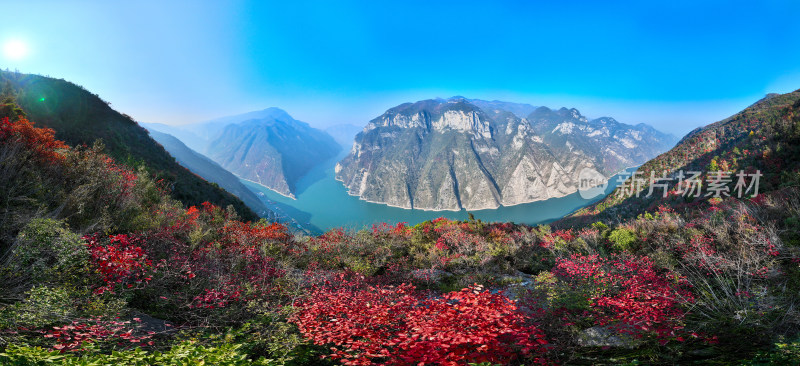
(15, 49)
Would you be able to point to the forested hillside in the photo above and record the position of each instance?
(81, 118)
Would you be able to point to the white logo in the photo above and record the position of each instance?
(591, 183)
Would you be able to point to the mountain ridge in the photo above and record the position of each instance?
(449, 154)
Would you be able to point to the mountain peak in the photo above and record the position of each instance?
(268, 113)
(571, 113)
(272, 116)
(275, 113)
(541, 112)
(435, 115)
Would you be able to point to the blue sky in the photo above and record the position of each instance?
(674, 64)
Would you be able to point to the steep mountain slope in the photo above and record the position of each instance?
(451, 154)
(274, 149)
(210, 171)
(80, 117)
(764, 137)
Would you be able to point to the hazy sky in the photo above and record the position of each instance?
(673, 64)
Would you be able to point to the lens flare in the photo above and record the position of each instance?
(15, 49)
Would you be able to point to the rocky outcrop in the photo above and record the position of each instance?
(606, 337)
(450, 154)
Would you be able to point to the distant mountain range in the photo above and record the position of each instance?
(458, 153)
(268, 147)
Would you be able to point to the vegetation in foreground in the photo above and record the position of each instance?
(100, 266)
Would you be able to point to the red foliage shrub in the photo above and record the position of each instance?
(120, 262)
(229, 264)
(631, 294)
(234, 272)
(127, 178)
(368, 325)
(39, 140)
(384, 230)
(72, 336)
(243, 233)
(559, 235)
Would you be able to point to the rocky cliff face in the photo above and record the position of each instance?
(451, 154)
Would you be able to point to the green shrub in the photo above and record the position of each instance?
(45, 252)
(42, 306)
(623, 239)
(186, 353)
(601, 227)
(271, 336)
(782, 354)
(101, 305)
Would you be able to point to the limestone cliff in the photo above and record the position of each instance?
(449, 154)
